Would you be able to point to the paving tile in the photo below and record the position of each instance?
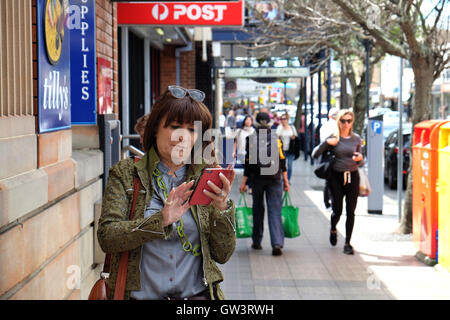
(382, 268)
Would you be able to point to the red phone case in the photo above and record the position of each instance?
(198, 196)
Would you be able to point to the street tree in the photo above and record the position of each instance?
(309, 26)
(422, 38)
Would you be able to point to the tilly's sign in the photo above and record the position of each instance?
(53, 65)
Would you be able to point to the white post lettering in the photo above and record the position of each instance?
(190, 12)
(208, 12)
(179, 10)
(220, 9)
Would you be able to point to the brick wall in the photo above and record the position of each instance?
(106, 44)
(168, 68)
(48, 191)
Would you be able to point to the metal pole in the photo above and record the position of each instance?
(312, 117)
(305, 108)
(367, 45)
(319, 98)
(147, 76)
(125, 85)
(329, 82)
(400, 144)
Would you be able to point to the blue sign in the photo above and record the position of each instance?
(377, 126)
(81, 23)
(53, 66)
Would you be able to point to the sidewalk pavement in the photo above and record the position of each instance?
(383, 267)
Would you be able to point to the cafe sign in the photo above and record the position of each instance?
(267, 72)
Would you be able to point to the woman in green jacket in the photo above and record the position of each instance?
(173, 247)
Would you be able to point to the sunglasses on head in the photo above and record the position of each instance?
(346, 120)
(180, 92)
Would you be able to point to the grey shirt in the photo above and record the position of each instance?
(344, 152)
(166, 269)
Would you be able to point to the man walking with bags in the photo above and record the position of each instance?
(266, 164)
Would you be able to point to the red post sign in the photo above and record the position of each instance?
(218, 13)
(104, 86)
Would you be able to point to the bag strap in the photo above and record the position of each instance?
(286, 199)
(121, 281)
(242, 197)
(119, 291)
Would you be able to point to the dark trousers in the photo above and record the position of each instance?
(327, 194)
(338, 191)
(274, 193)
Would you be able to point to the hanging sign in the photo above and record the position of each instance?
(208, 13)
(298, 72)
(81, 23)
(104, 86)
(53, 65)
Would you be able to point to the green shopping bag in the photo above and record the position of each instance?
(244, 219)
(289, 217)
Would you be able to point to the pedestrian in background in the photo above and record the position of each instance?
(287, 133)
(344, 181)
(329, 128)
(230, 124)
(222, 120)
(239, 144)
(264, 183)
(173, 247)
(276, 120)
(139, 127)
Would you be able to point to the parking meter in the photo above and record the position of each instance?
(375, 164)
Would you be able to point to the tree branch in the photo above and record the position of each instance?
(387, 44)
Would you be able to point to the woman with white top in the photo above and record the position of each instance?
(239, 143)
(287, 133)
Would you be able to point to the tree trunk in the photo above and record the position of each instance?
(423, 68)
(343, 97)
(301, 102)
(359, 105)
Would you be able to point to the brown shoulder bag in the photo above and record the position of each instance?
(100, 290)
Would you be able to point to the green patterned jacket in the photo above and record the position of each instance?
(117, 234)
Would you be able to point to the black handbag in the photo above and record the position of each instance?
(323, 169)
(294, 147)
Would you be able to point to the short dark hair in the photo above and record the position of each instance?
(183, 110)
(246, 117)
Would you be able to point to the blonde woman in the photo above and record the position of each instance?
(344, 181)
(287, 133)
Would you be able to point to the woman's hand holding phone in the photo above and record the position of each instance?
(176, 204)
(219, 196)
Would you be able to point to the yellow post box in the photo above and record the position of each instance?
(443, 188)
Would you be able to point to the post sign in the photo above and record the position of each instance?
(53, 66)
(208, 13)
(297, 72)
(82, 61)
(104, 86)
